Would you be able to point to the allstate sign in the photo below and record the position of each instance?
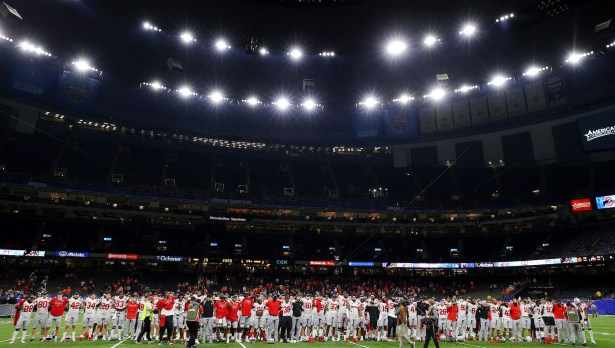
(77, 254)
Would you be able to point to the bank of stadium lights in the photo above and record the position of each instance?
(222, 45)
(436, 94)
(369, 102)
(150, 27)
(327, 54)
(310, 104)
(468, 30)
(403, 99)
(534, 70)
(186, 92)
(31, 48)
(263, 51)
(396, 47)
(83, 66)
(155, 85)
(252, 101)
(430, 40)
(187, 37)
(6, 38)
(466, 88)
(216, 97)
(505, 18)
(575, 58)
(295, 53)
(499, 80)
(282, 103)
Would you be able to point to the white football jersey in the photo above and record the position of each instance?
(74, 305)
(90, 305)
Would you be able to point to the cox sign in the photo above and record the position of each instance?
(281, 262)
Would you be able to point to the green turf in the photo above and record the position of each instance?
(603, 326)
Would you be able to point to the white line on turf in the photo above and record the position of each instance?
(120, 342)
(5, 340)
(360, 345)
(242, 345)
(469, 345)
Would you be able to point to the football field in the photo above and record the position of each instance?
(603, 327)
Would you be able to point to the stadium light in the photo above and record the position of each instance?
(369, 102)
(295, 53)
(30, 48)
(263, 51)
(282, 103)
(82, 65)
(252, 101)
(575, 58)
(3, 37)
(187, 37)
(185, 92)
(309, 104)
(404, 99)
(468, 30)
(437, 94)
(396, 47)
(430, 40)
(216, 97)
(222, 45)
(499, 80)
(506, 17)
(465, 88)
(148, 26)
(327, 54)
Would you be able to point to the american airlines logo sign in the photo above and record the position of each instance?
(582, 204)
(599, 133)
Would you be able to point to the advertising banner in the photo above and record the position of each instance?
(461, 113)
(367, 126)
(605, 202)
(479, 110)
(497, 106)
(75, 254)
(76, 92)
(427, 119)
(582, 204)
(598, 131)
(401, 123)
(35, 79)
(322, 263)
(130, 257)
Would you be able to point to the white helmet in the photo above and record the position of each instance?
(577, 300)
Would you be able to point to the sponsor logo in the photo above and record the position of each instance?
(582, 204)
(360, 264)
(11, 252)
(222, 218)
(72, 254)
(400, 124)
(322, 263)
(281, 262)
(170, 258)
(123, 256)
(605, 202)
(599, 133)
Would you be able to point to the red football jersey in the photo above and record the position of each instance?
(57, 306)
(221, 309)
(233, 309)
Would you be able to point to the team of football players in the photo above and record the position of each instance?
(285, 318)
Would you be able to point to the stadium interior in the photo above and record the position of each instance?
(432, 148)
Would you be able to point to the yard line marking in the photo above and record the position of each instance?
(5, 340)
(356, 344)
(242, 345)
(469, 345)
(120, 342)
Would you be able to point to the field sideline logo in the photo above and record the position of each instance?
(599, 133)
